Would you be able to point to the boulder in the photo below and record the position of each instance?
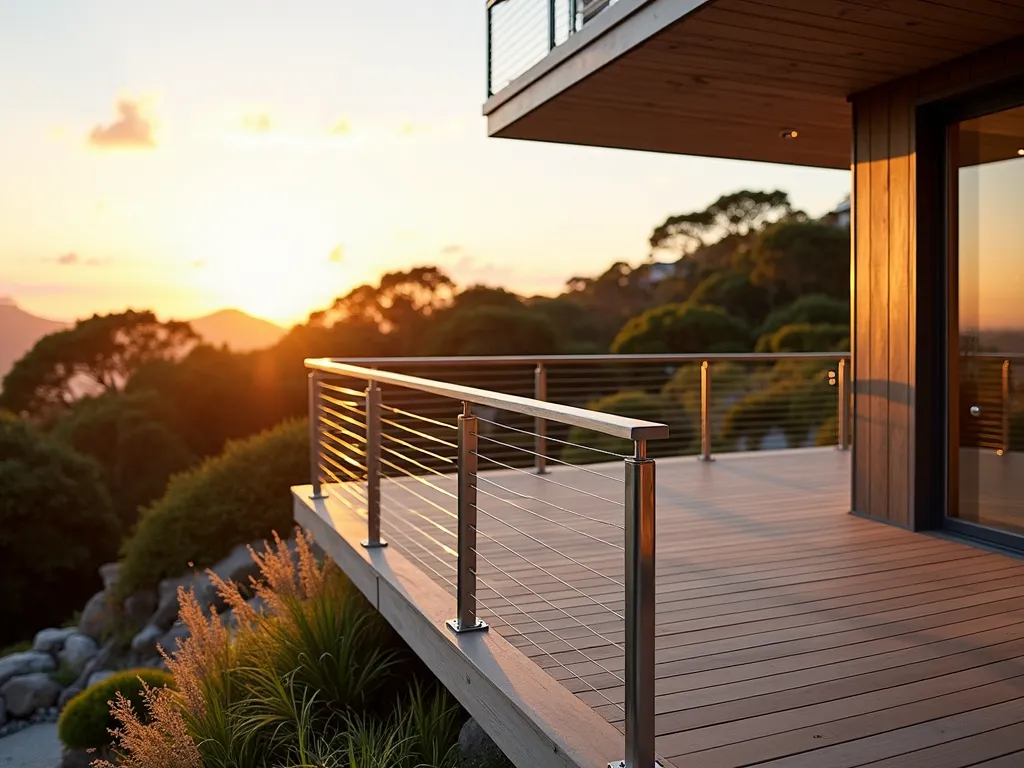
(68, 694)
(171, 639)
(105, 659)
(51, 640)
(167, 600)
(145, 641)
(98, 616)
(78, 651)
(139, 608)
(27, 693)
(110, 572)
(82, 758)
(478, 750)
(25, 664)
(99, 677)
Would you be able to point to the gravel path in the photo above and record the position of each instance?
(35, 747)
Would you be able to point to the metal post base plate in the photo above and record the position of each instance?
(622, 764)
(373, 544)
(317, 496)
(701, 458)
(455, 626)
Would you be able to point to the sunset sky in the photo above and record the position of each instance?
(189, 156)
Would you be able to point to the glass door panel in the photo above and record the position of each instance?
(988, 418)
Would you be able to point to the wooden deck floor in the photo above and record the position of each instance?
(790, 633)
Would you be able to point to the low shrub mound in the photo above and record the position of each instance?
(236, 497)
(87, 720)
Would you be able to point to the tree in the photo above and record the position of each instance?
(56, 529)
(99, 354)
(633, 404)
(132, 440)
(736, 214)
(682, 328)
(812, 309)
(736, 294)
(795, 258)
(493, 330)
(805, 337)
(577, 329)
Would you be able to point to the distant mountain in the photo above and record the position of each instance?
(236, 329)
(19, 331)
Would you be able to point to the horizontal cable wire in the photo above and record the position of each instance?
(343, 430)
(439, 457)
(341, 455)
(549, 480)
(417, 416)
(343, 443)
(343, 469)
(489, 481)
(418, 478)
(559, 461)
(401, 537)
(548, 519)
(444, 547)
(341, 390)
(343, 417)
(425, 500)
(424, 467)
(551, 439)
(424, 435)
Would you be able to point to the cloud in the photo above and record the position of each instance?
(337, 255)
(71, 259)
(68, 258)
(131, 129)
(258, 123)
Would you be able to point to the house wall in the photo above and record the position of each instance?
(893, 279)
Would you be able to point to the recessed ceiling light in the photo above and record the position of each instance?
(790, 134)
(1020, 152)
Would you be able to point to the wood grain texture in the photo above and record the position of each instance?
(789, 633)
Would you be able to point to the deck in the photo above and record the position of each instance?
(791, 634)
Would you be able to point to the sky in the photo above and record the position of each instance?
(270, 156)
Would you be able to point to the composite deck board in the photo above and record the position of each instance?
(789, 632)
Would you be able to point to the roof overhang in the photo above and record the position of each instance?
(736, 78)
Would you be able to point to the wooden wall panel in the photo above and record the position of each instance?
(883, 159)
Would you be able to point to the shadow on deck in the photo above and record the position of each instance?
(789, 633)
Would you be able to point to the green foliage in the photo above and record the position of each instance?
(736, 294)
(738, 213)
(102, 352)
(812, 309)
(131, 438)
(241, 495)
(86, 720)
(64, 675)
(804, 337)
(56, 529)
(493, 330)
(796, 257)
(635, 405)
(18, 647)
(682, 328)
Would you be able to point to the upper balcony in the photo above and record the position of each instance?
(740, 79)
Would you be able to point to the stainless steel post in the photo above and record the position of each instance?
(572, 16)
(705, 411)
(490, 56)
(843, 413)
(373, 538)
(466, 620)
(551, 25)
(640, 535)
(314, 434)
(1007, 382)
(540, 426)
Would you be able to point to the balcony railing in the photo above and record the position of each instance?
(431, 484)
(522, 32)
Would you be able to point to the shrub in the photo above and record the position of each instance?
(805, 337)
(632, 404)
(812, 308)
(313, 681)
(230, 499)
(56, 528)
(87, 719)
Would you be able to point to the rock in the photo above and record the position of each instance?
(110, 572)
(68, 694)
(27, 693)
(51, 640)
(78, 651)
(98, 616)
(99, 677)
(175, 635)
(477, 750)
(167, 600)
(81, 758)
(3, 711)
(24, 664)
(145, 641)
(102, 660)
(138, 608)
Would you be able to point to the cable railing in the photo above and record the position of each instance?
(712, 403)
(992, 401)
(561, 563)
(522, 32)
